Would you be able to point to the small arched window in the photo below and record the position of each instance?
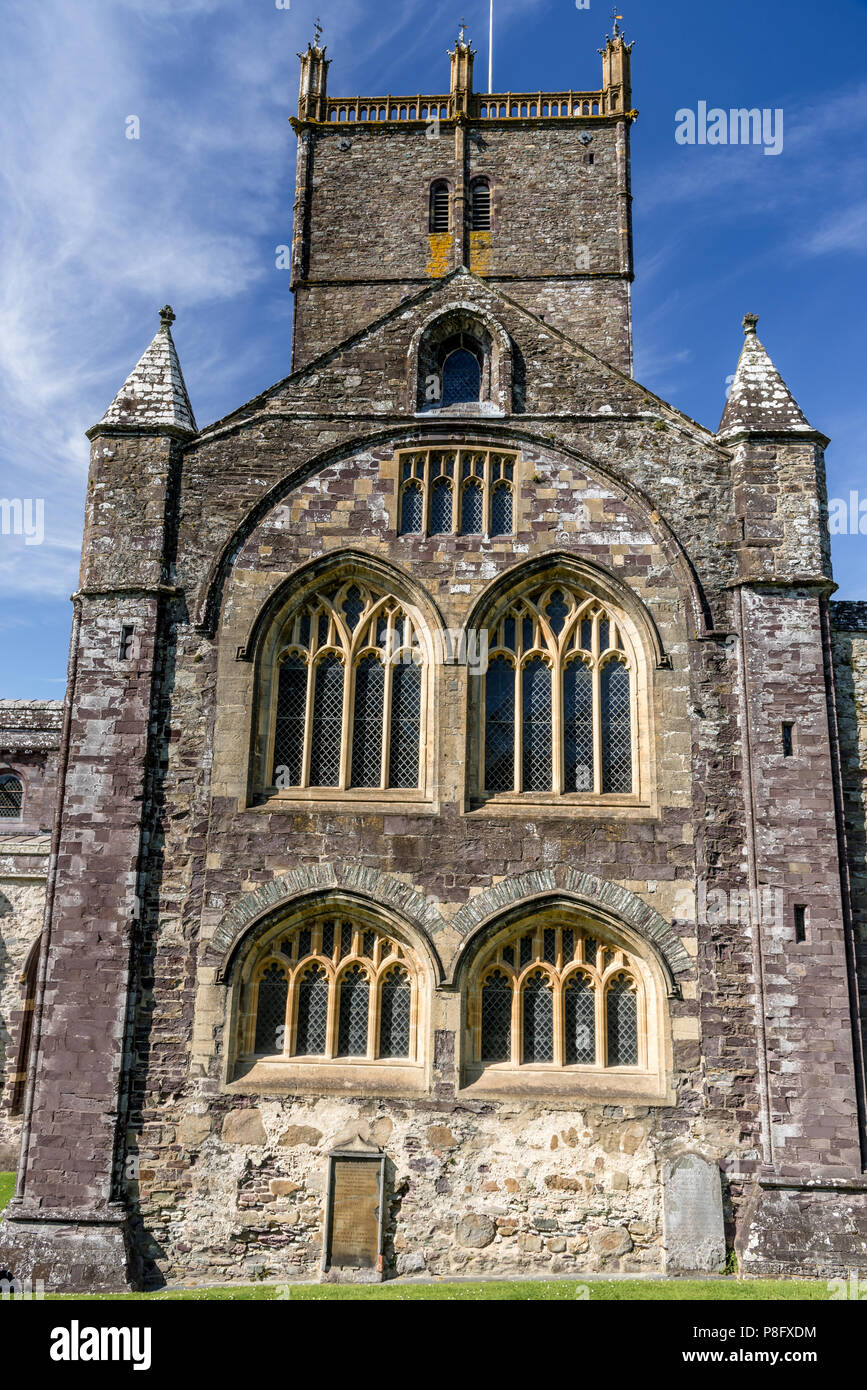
(11, 796)
(349, 691)
(439, 206)
(480, 200)
(330, 988)
(551, 993)
(462, 378)
(559, 697)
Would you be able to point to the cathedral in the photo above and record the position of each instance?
(449, 858)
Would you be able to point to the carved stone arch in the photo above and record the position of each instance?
(462, 317)
(489, 911)
(256, 912)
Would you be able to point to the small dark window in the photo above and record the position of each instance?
(481, 205)
(462, 378)
(439, 207)
(11, 796)
(788, 740)
(800, 922)
(125, 645)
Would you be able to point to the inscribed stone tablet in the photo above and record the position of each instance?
(355, 1213)
(693, 1215)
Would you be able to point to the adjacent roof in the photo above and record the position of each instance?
(760, 402)
(154, 394)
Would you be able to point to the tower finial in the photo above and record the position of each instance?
(617, 17)
(750, 324)
(167, 316)
(462, 36)
(317, 32)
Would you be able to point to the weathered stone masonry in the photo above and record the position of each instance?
(150, 1151)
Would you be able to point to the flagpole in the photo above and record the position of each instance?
(491, 51)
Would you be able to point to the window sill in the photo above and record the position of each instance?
(351, 799)
(569, 804)
(611, 1085)
(328, 1076)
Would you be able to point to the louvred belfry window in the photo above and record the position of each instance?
(332, 988)
(439, 207)
(558, 699)
(480, 198)
(550, 995)
(349, 693)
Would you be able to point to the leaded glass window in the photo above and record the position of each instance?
(312, 1026)
(271, 1010)
(462, 377)
(395, 1012)
(11, 796)
(468, 491)
(538, 1015)
(354, 1007)
(561, 683)
(621, 1010)
(351, 646)
(577, 1005)
(496, 1018)
(338, 988)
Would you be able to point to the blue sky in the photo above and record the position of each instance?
(97, 231)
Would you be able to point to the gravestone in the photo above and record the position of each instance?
(354, 1216)
(694, 1236)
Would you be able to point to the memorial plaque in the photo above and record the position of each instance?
(355, 1212)
(693, 1215)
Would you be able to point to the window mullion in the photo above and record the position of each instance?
(331, 1019)
(519, 727)
(597, 721)
(346, 722)
(517, 1040)
(559, 1027)
(486, 495)
(374, 994)
(557, 725)
(386, 722)
(308, 721)
(601, 1029)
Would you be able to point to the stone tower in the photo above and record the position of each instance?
(459, 862)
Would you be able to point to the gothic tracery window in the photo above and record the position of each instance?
(334, 988)
(349, 692)
(555, 995)
(460, 491)
(559, 696)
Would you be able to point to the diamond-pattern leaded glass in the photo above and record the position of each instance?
(327, 723)
(579, 1016)
(538, 1012)
(549, 946)
(497, 1018)
(303, 943)
(394, 1013)
(621, 1012)
(536, 732)
(367, 723)
(616, 728)
(411, 510)
(462, 377)
(568, 945)
(500, 726)
(471, 509)
(353, 605)
(441, 508)
(577, 728)
(501, 511)
(271, 1010)
(526, 949)
(289, 725)
(405, 725)
(311, 1031)
(11, 793)
(352, 1021)
(345, 939)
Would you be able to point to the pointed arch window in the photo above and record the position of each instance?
(350, 693)
(468, 491)
(547, 994)
(558, 704)
(331, 988)
(11, 796)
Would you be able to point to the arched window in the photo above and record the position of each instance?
(558, 701)
(551, 993)
(11, 796)
(480, 202)
(439, 206)
(468, 491)
(349, 692)
(331, 987)
(462, 377)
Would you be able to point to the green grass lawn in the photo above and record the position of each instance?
(7, 1187)
(524, 1291)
